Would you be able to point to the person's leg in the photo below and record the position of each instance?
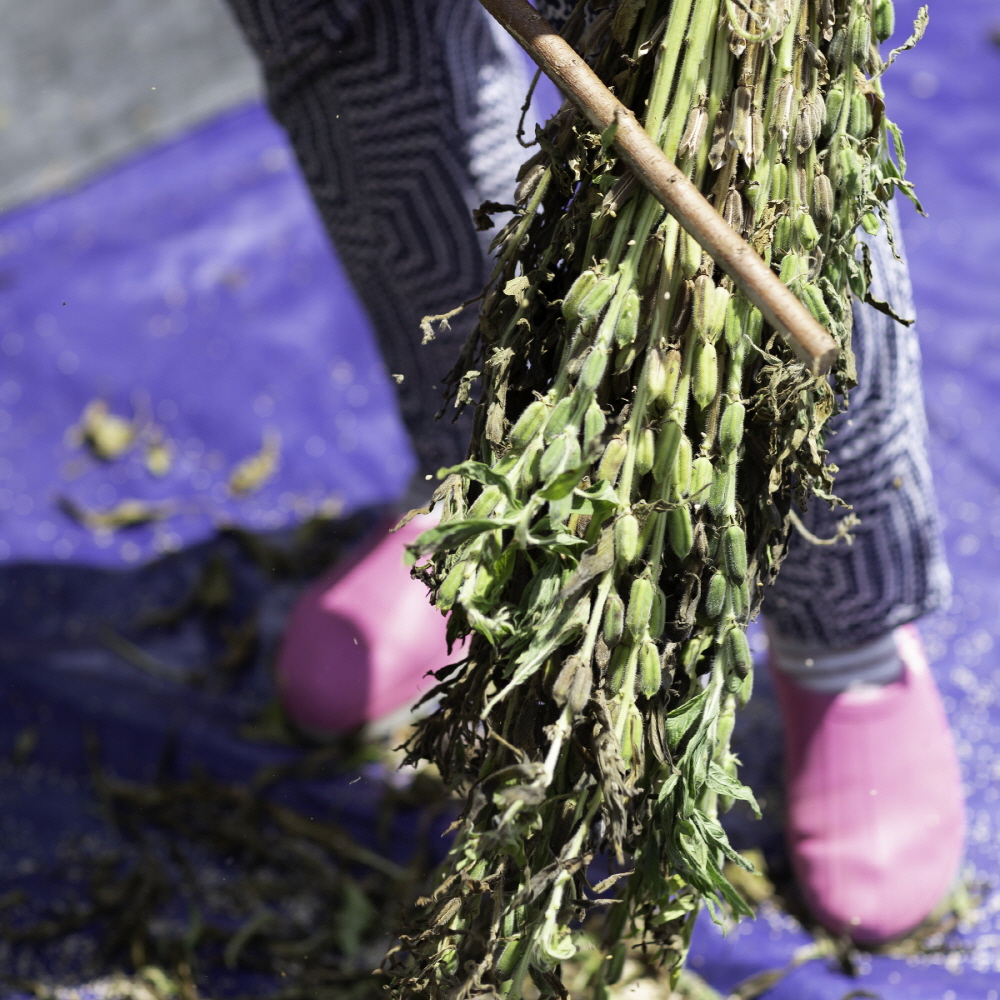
(874, 802)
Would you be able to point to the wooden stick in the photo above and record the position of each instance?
(811, 343)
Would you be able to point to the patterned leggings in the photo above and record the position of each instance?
(403, 115)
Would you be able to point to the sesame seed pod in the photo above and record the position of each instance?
(555, 458)
(625, 358)
(834, 102)
(731, 428)
(682, 467)
(805, 134)
(594, 423)
(658, 616)
(509, 959)
(755, 142)
(593, 370)
(861, 40)
(793, 267)
(859, 122)
(558, 419)
(870, 223)
(528, 424)
(681, 531)
(702, 474)
(597, 298)
(640, 607)
(805, 231)
(611, 460)
(614, 620)
(739, 651)
(486, 502)
(817, 106)
(528, 475)
(706, 380)
(627, 327)
(849, 169)
(715, 600)
(704, 289)
(691, 253)
(837, 50)
(632, 737)
(719, 152)
(813, 300)
(734, 553)
(734, 321)
(667, 447)
(578, 291)
(645, 451)
(573, 685)
(783, 234)
(746, 690)
(781, 113)
(779, 182)
(741, 601)
(649, 668)
(656, 375)
(822, 200)
(527, 185)
(618, 667)
(672, 364)
(448, 591)
(732, 210)
(754, 325)
(719, 490)
(626, 540)
(739, 127)
(694, 132)
(718, 304)
(883, 19)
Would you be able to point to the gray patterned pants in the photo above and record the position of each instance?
(403, 115)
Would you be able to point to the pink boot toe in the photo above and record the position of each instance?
(361, 640)
(876, 818)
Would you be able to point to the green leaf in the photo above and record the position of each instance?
(482, 473)
(451, 534)
(725, 784)
(679, 722)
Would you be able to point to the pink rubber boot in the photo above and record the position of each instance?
(876, 818)
(361, 640)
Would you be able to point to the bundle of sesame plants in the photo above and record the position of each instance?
(642, 437)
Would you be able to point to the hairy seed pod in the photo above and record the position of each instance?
(837, 51)
(573, 685)
(779, 182)
(528, 425)
(731, 428)
(625, 358)
(509, 959)
(756, 142)
(818, 108)
(640, 607)
(870, 223)
(704, 290)
(486, 502)
(741, 601)
(658, 616)
(694, 132)
(793, 267)
(593, 370)
(734, 553)
(690, 255)
(805, 134)
(732, 210)
(718, 305)
(448, 591)
(822, 200)
(805, 231)
(626, 540)
(649, 668)
(861, 40)
(859, 122)
(739, 651)
(715, 599)
(578, 291)
(558, 419)
(614, 620)
(672, 363)
(781, 112)
(834, 102)
(739, 125)
(783, 234)
(682, 467)
(611, 460)
(883, 19)
(849, 170)
(527, 185)
(719, 490)
(813, 300)
(754, 325)
(555, 458)
(734, 321)
(627, 327)
(702, 474)
(667, 446)
(645, 451)
(656, 375)
(597, 298)
(618, 667)
(681, 531)
(719, 152)
(706, 380)
(594, 423)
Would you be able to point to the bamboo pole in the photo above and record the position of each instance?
(812, 344)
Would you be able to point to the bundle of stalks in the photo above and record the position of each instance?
(641, 438)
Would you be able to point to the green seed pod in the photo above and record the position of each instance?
(822, 200)
(558, 419)
(702, 474)
(741, 601)
(528, 424)
(614, 620)
(731, 428)
(701, 303)
(834, 102)
(593, 370)
(573, 685)
(667, 445)
(739, 121)
(837, 51)
(805, 231)
(672, 363)
(734, 553)
(611, 460)
(656, 374)
(509, 958)
(626, 540)
(627, 328)
(883, 19)
(486, 502)
(597, 298)
(719, 491)
(681, 531)
(861, 40)
(618, 667)
(813, 300)
(870, 223)
(578, 291)
(649, 668)
(594, 423)
(859, 122)
(718, 305)
(715, 600)
(658, 616)
(690, 255)
(645, 451)
(805, 127)
(706, 380)
(781, 110)
(754, 325)
(555, 458)
(849, 169)
(625, 358)
(448, 591)
(682, 467)
(793, 267)
(783, 233)
(632, 737)
(779, 182)
(528, 475)
(734, 321)
(739, 652)
(640, 607)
